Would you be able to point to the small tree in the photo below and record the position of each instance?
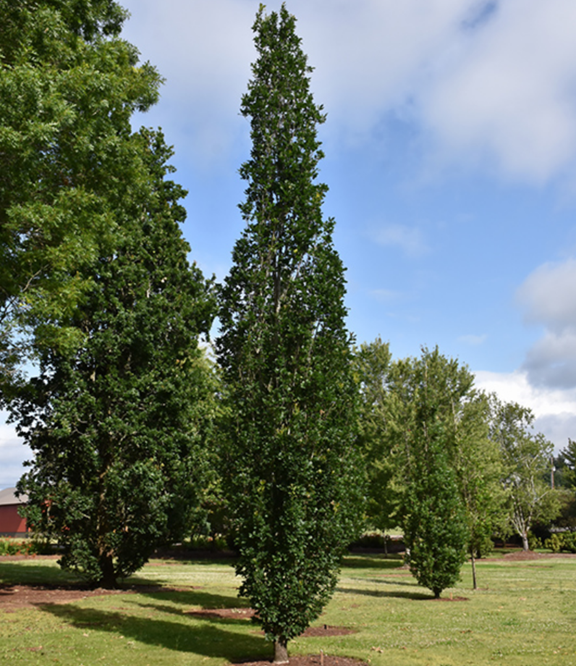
(424, 393)
(116, 425)
(290, 465)
(478, 465)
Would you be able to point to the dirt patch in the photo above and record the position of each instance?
(21, 596)
(450, 599)
(311, 660)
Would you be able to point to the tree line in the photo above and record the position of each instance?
(449, 464)
(134, 427)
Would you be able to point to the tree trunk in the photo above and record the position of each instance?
(525, 541)
(108, 580)
(280, 651)
(473, 561)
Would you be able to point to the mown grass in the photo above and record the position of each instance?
(524, 614)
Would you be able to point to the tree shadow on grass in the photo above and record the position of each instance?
(202, 636)
(378, 593)
(36, 572)
(195, 597)
(370, 562)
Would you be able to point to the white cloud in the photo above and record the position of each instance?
(548, 296)
(12, 454)
(203, 48)
(409, 239)
(507, 90)
(554, 409)
(490, 86)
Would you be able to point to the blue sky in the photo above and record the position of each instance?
(451, 160)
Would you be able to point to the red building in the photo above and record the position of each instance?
(11, 524)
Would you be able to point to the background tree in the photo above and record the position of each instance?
(569, 458)
(68, 87)
(424, 395)
(526, 458)
(371, 366)
(286, 357)
(116, 424)
(478, 466)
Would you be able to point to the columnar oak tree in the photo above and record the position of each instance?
(116, 423)
(425, 394)
(285, 354)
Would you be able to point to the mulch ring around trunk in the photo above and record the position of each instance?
(310, 660)
(240, 613)
(305, 660)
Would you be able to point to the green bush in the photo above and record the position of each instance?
(569, 541)
(562, 541)
(533, 541)
(10, 547)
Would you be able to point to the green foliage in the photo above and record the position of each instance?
(534, 542)
(68, 88)
(290, 463)
(117, 425)
(426, 394)
(561, 541)
(567, 501)
(11, 547)
(526, 459)
(569, 458)
(478, 465)
(371, 365)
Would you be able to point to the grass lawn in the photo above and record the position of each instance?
(523, 615)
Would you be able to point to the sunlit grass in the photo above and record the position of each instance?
(524, 614)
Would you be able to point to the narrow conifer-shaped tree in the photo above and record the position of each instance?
(285, 352)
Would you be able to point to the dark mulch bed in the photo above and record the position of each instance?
(311, 660)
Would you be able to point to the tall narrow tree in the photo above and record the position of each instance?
(285, 352)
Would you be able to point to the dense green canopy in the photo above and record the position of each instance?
(285, 354)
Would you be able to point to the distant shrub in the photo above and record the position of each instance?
(554, 543)
(563, 541)
(10, 547)
(569, 539)
(533, 541)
